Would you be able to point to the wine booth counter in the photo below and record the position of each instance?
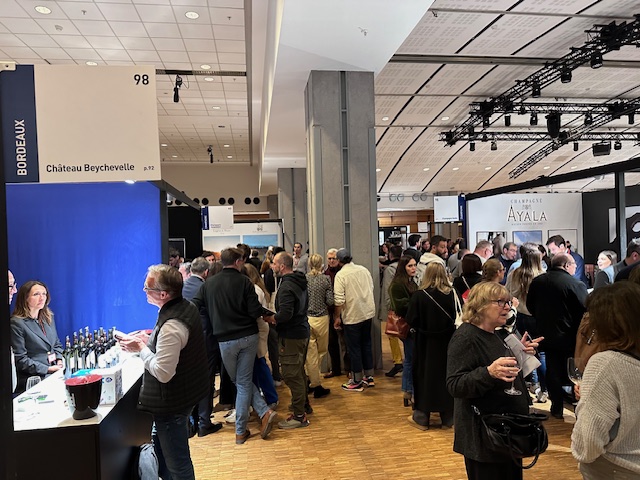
(51, 444)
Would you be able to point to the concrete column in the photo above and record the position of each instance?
(272, 206)
(292, 206)
(340, 117)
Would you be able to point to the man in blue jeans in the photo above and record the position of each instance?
(230, 300)
(355, 307)
(175, 370)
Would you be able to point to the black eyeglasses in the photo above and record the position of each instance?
(501, 303)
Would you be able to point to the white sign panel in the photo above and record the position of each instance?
(445, 209)
(221, 218)
(96, 124)
(526, 217)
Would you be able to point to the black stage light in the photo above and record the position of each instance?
(471, 131)
(576, 147)
(494, 145)
(535, 89)
(617, 145)
(601, 148)
(596, 59)
(507, 120)
(523, 110)
(485, 122)
(486, 139)
(588, 118)
(472, 146)
(553, 124)
(210, 152)
(565, 75)
(534, 119)
(632, 118)
(176, 89)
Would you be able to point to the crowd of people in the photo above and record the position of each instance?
(259, 323)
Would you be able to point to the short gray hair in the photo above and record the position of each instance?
(199, 265)
(167, 278)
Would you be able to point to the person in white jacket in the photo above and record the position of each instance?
(606, 436)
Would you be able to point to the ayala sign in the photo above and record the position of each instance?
(523, 210)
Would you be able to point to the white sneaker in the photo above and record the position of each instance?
(230, 417)
(541, 396)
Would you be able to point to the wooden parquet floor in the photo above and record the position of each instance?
(359, 435)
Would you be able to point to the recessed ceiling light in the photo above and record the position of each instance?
(226, 145)
(205, 67)
(378, 169)
(547, 167)
(215, 107)
(444, 119)
(425, 169)
(208, 79)
(174, 156)
(384, 119)
(456, 169)
(91, 64)
(229, 156)
(487, 168)
(130, 182)
(42, 9)
(574, 167)
(163, 144)
(191, 15)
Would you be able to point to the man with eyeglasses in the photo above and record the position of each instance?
(557, 244)
(12, 290)
(175, 370)
(556, 300)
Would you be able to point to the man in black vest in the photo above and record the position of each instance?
(175, 370)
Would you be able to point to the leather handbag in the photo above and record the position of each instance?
(396, 326)
(517, 436)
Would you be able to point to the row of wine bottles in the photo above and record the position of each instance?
(89, 350)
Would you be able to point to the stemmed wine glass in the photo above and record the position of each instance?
(512, 390)
(574, 370)
(32, 382)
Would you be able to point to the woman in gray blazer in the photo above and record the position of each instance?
(34, 339)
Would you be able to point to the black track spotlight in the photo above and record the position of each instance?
(588, 118)
(176, 89)
(596, 59)
(523, 110)
(535, 89)
(494, 145)
(486, 139)
(507, 120)
(576, 147)
(554, 123)
(565, 75)
(534, 119)
(210, 152)
(617, 145)
(486, 122)
(472, 146)
(632, 118)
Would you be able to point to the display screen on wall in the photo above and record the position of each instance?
(260, 241)
(524, 236)
(445, 209)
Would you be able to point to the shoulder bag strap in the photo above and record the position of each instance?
(465, 282)
(439, 306)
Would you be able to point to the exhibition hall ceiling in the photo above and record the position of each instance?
(249, 61)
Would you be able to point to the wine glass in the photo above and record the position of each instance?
(574, 370)
(32, 382)
(512, 390)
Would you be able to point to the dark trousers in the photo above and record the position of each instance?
(293, 353)
(358, 338)
(557, 377)
(205, 406)
(506, 470)
(264, 381)
(274, 354)
(228, 390)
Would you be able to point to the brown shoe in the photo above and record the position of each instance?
(266, 423)
(240, 439)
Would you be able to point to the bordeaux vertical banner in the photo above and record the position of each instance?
(20, 137)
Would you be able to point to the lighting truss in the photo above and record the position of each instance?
(541, 136)
(477, 108)
(602, 39)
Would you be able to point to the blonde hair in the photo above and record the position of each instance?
(480, 297)
(490, 269)
(315, 264)
(435, 276)
(252, 272)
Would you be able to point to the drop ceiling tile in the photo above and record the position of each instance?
(22, 25)
(191, 3)
(110, 55)
(221, 32)
(10, 40)
(119, 12)
(169, 44)
(152, 2)
(201, 58)
(156, 13)
(29, 61)
(232, 67)
(30, 5)
(136, 43)
(58, 27)
(82, 53)
(72, 41)
(144, 55)
(231, 46)
(111, 43)
(81, 10)
(129, 29)
(180, 14)
(162, 30)
(38, 40)
(227, 16)
(91, 27)
(11, 9)
(19, 52)
(232, 58)
(226, 3)
(195, 45)
(175, 65)
(119, 62)
(51, 53)
(196, 31)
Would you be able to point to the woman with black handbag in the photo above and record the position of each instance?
(432, 314)
(400, 290)
(478, 376)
